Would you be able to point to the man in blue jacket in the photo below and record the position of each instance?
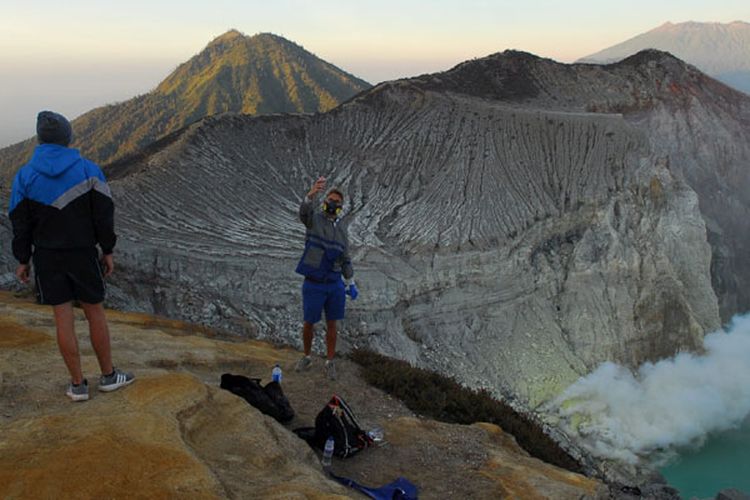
(61, 208)
(323, 263)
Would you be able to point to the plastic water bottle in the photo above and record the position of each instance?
(376, 434)
(327, 453)
(276, 373)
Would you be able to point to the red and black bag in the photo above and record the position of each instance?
(337, 419)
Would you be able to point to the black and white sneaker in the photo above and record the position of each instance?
(115, 380)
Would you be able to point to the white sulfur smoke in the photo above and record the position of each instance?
(674, 402)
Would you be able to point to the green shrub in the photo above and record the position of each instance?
(442, 398)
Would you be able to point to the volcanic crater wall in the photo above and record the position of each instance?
(514, 248)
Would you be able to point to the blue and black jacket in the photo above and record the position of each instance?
(60, 201)
(326, 255)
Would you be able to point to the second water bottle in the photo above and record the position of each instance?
(327, 453)
(276, 373)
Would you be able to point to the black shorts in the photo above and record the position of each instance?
(65, 275)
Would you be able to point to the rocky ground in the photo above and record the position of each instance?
(175, 433)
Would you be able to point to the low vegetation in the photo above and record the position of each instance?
(442, 398)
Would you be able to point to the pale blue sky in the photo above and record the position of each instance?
(75, 55)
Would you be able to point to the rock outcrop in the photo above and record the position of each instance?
(7, 263)
(732, 494)
(175, 433)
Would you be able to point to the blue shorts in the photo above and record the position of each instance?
(319, 296)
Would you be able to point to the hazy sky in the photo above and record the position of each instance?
(75, 55)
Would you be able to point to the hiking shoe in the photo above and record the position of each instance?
(303, 364)
(78, 392)
(115, 380)
(330, 370)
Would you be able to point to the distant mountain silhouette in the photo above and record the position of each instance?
(261, 74)
(721, 50)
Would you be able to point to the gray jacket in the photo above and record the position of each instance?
(326, 255)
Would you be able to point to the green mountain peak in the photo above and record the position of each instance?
(259, 74)
(232, 34)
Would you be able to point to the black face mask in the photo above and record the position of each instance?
(332, 207)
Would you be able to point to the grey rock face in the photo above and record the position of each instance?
(701, 125)
(514, 249)
(732, 494)
(7, 264)
(514, 221)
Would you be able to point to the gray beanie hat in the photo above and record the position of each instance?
(53, 128)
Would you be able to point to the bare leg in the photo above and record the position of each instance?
(67, 341)
(331, 338)
(99, 335)
(307, 337)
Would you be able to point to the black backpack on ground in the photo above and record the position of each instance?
(269, 399)
(336, 419)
